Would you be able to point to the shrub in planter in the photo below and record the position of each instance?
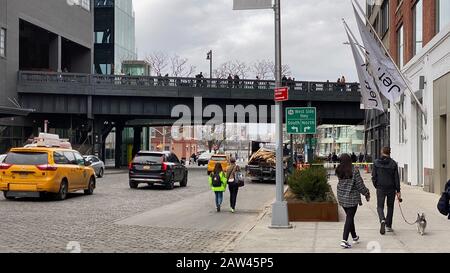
(310, 185)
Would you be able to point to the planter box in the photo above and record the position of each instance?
(300, 211)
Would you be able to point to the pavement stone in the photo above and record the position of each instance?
(324, 237)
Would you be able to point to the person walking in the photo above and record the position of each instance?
(349, 190)
(354, 158)
(233, 185)
(386, 180)
(335, 159)
(218, 184)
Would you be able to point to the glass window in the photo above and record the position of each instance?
(59, 158)
(384, 17)
(79, 159)
(2, 42)
(70, 156)
(418, 27)
(400, 47)
(443, 8)
(20, 158)
(149, 158)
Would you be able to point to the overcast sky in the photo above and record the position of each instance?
(312, 31)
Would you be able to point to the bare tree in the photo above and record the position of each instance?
(232, 67)
(263, 69)
(159, 61)
(285, 69)
(180, 67)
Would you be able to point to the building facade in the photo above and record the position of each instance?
(114, 31)
(340, 139)
(47, 35)
(420, 44)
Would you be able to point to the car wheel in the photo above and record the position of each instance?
(133, 185)
(101, 173)
(63, 191)
(171, 183)
(184, 182)
(91, 187)
(5, 193)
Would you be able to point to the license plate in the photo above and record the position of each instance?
(147, 168)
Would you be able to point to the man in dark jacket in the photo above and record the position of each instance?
(386, 180)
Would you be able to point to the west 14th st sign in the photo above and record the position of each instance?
(301, 121)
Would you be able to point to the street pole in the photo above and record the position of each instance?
(279, 208)
(210, 58)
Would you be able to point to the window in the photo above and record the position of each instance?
(59, 158)
(443, 14)
(401, 124)
(70, 156)
(79, 159)
(418, 27)
(2, 42)
(24, 158)
(384, 18)
(400, 47)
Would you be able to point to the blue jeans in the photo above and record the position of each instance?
(219, 198)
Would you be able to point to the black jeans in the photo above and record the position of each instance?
(350, 223)
(382, 196)
(234, 190)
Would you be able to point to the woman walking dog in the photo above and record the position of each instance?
(349, 190)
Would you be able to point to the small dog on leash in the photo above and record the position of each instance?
(421, 223)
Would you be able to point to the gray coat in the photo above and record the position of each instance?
(349, 191)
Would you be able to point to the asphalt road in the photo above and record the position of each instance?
(119, 219)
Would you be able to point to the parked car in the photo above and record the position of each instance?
(2, 157)
(96, 164)
(35, 171)
(157, 168)
(204, 158)
(223, 159)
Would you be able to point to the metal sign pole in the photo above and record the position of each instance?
(279, 208)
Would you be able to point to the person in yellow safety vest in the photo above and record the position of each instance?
(218, 184)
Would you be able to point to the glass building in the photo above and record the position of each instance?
(114, 29)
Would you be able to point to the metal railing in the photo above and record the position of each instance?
(161, 82)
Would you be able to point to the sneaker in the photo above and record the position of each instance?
(345, 244)
(218, 209)
(383, 228)
(232, 210)
(390, 230)
(356, 240)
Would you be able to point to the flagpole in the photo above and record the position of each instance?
(364, 54)
(392, 59)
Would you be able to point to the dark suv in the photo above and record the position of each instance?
(157, 168)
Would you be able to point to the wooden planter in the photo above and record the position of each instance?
(300, 211)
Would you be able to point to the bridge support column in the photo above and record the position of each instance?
(118, 148)
(137, 140)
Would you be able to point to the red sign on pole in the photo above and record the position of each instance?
(282, 94)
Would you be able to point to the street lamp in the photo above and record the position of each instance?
(163, 133)
(209, 57)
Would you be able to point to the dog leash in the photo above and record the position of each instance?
(401, 211)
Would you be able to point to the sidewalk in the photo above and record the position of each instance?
(325, 237)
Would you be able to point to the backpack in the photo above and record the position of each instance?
(216, 181)
(443, 204)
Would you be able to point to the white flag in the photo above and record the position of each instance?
(370, 95)
(383, 70)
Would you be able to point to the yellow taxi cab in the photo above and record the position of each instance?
(36, 171)
(224, 160)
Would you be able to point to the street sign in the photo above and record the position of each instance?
(252, 4)
(301, 121)
(281, 94)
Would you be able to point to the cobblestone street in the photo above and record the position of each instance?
(48, 226)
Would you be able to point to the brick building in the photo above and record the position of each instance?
(418, 38)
